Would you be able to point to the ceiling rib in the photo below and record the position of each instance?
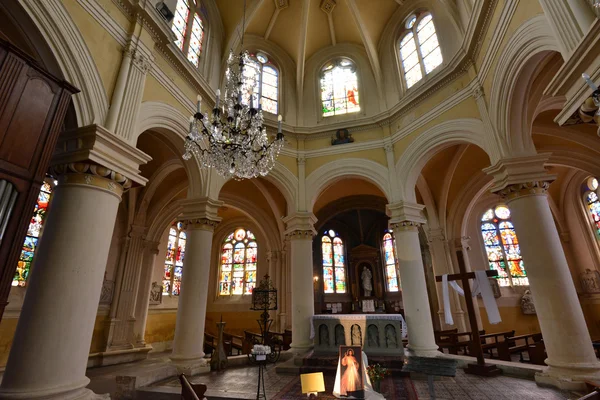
(302, 54)
(327, 7)
(271, 23)
(369, 45)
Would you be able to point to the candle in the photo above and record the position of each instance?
(218, 98)
(251, 101)
(590, 83)
(279, 118)
(260, 103)
(198, 103)
(191, 122)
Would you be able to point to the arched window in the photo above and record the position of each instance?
(419, 49)
(34, 231)
(264, 80)
(238, 263)
(502, 247)
(391, 269)
(188, 31)
(174, 259)
(593, 204)
(334, 267)
(339, 88)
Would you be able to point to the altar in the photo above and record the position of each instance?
(378, 334)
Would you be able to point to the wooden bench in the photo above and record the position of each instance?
(537, 353)
(210, 343)
(455, 341)
(489, 347)
(249, 340)
(191, 391)
(510, 346)
(235, 342)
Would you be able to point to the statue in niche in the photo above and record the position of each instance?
(373, 336)
(367, 281)
(323, 335)
(156, 293)
(527, 306)
(590, 281)
(340, 335)
(391, 340)
(356, 334)
(342, 136)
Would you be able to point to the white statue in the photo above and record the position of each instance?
(366, 281)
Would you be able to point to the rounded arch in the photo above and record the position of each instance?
(426, 145)
(172, 126)
(528, 47)
(336, 170)
(71, 53)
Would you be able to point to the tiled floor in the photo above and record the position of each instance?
(242, 381)
(470, 387)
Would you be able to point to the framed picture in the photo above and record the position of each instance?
(351, 377)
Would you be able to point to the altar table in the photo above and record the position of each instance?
(378, 334)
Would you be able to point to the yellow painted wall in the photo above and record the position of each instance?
(237, 322)
(512, 318)
(591, 312)
(8, 326)
(160, 327)
(377, 155)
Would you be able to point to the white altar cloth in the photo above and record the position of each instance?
(359, 317)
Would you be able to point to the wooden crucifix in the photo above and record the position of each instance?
(480, 368)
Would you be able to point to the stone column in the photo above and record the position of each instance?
(200, 217)
(300, 232)
(49, 354)
(405, 219)
(141, 307)
(523, 182)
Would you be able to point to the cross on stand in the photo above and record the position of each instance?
(480, 368)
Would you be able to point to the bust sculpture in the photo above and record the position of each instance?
(367, 277)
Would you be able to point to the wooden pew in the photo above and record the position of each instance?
(250, 339)
(287, 339)
(537, 353)
(455, 341)
(490, 346)
(234, 342)
(191, 391)
(210, 343)
(509, 345)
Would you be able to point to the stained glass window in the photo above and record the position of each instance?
(334, 263)
(188, 38)
(180, 21)
(593, 204)
(339, 88)
(34, 232)
(174, 260)
(391, 272)
(196, 40)
(420, 51)
(262, 76)
(502, 247)
(238, 263)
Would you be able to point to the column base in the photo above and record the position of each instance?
(191, 367)
(569, 378)
(77, 394)
(421, 351)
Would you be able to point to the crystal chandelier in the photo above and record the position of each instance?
(233, 139)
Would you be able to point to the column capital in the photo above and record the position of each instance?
(405, 215)
(93, 175)
(95, 145)
(201, 213)
(521, 176)
(152, 246)
(300, 225)
(436, 235)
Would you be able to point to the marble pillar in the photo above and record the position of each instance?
(523, 183)
(50, 350)
(200, 218)
(151, 250)
(405, 219)
(300, 233)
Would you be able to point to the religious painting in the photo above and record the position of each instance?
(342, 136)
(351, 378)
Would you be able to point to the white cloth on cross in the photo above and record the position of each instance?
(481, 286)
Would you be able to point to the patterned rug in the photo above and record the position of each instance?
(398, 388)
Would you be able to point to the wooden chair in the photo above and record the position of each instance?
(191, 391)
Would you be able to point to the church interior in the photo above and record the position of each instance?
(197, 196)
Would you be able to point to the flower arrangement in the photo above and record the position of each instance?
(377, 373)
